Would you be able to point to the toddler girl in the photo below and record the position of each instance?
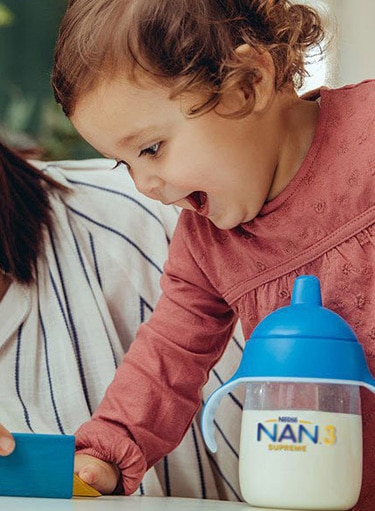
(198, 98)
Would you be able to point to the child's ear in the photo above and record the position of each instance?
(264, 83)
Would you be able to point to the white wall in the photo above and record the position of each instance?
(354, 58)
(351, 53)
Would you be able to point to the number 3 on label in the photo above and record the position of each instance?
(330, 437)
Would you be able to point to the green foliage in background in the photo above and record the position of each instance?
(29, 115)
(6, 15)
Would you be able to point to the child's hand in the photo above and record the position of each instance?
(99, 474)
(7, 443)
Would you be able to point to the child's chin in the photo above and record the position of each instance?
(221, 224)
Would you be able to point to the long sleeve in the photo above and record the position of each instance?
(157, 389)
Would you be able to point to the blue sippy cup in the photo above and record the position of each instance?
(301, 432)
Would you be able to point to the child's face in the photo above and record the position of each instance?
(221, 168)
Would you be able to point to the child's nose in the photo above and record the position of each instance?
(149, 185)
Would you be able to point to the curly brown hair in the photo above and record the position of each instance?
(190, 45)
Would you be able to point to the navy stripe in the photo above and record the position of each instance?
(17, 378)
(79, 253)
(118, 233)
(232, 396)
(237, 344)
(224, 436)
(200, 467)
(226, 439)
(60, 304)
(116, 192)
(143, 307)
(72, 330)
(83, 266)
(58, 420)
(166, 477)
(141, 489)
(223, 477)
(96, 266)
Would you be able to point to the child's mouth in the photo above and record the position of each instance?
(197, 200)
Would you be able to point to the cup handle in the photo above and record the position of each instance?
(209, 410)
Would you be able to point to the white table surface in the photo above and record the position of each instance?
(112, 503)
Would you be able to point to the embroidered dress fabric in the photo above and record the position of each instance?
(322, 223)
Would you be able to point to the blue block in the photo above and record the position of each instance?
(40, 466)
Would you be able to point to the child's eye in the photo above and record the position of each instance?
(151, 151)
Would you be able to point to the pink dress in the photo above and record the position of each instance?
(322, 224)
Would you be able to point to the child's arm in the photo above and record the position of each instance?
(157, 389)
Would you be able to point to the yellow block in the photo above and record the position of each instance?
(82, 489)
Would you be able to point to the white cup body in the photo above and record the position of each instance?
(297, 454)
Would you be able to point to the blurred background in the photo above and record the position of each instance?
(31, 121)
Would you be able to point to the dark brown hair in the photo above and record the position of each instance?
(24, 210)
(188, 44)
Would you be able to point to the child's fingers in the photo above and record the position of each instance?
(7, 443)
(97, 473)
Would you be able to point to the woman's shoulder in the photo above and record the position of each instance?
(95, 174)
(97, 191)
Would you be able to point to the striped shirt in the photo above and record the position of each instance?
(62, 338)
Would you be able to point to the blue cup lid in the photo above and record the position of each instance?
(303, 342)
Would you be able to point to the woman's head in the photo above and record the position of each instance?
(24, 212)
(191, 45)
